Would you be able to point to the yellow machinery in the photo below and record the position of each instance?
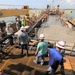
(38, 12)
(70, 11)
(43, 10)
(73, 20)
(62, 11)
(32, 16)
(31, 13)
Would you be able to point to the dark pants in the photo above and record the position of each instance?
(24, 46)
(10, 39)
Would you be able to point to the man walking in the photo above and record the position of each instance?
(23, 39)
(55, 57)
(41, 50)
(9, 31)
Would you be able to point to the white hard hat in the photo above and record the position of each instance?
(18, 19)
(60, 44)
(23, 28)
(41, 36)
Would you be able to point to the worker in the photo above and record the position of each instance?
(55, 58)
(41, 50)
(23, 40)
(9, 31)
(23, 23)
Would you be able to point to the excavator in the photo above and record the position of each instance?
(43, 10)
(33, 17)
(38, 12)
(70, 11)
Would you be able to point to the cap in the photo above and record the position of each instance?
(41, 36)
(60, 44)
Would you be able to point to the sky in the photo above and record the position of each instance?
(37, 3)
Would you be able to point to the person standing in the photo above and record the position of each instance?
(26, 20)
(41, 50)
(58, 10)
(23, 40)
(55, 57)
(18, 23)
(9, 31)
(0, 33)
(23, 23)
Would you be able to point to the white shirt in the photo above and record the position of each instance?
(9, 30)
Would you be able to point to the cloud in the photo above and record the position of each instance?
(64, 3)
(71, 2)
(68, 1)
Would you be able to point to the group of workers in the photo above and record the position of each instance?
(21, 21)
(54, 54)
(22, 37)
(9, 31)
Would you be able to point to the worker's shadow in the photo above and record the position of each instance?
(13, 56)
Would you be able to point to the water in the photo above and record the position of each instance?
(7, 19)
(12, 18)
(71, 15)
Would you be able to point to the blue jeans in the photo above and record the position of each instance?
(49, 70)
(42, 56)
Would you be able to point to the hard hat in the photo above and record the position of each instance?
(23, 28)
(41, 36)
(18, 19)
(60, 44)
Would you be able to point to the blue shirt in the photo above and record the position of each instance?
(55, 58)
